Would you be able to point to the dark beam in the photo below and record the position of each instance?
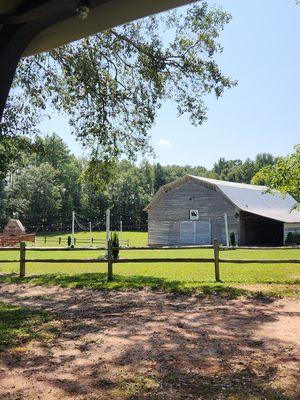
(14, 38)
(28, 14)
(13, 41)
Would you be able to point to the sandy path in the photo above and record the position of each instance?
(147, 345)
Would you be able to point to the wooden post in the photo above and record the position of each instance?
(216, 257)
(109, 261)
(22, 259)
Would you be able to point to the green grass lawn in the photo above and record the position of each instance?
(170, 276)
(83, 238)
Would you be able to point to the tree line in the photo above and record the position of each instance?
(46, 183)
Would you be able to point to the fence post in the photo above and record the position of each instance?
(216, 257)
(109, 261)
(22, 259)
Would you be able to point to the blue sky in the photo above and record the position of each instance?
(261, 51)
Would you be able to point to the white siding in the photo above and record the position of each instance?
(294, 228)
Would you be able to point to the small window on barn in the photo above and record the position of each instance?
(194, 215)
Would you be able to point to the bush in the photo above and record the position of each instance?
(115, 244)
(232, 239)
(293, 238)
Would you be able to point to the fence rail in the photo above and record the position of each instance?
(110, 260)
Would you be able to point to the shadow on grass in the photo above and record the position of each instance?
(19, 324)
(120, 282)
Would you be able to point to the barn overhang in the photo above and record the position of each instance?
(29, 27)
(257, 230)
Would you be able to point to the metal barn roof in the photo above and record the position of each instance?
(250, 198)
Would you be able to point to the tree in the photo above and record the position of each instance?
(159, 177)
(17, 127)
(112, 84)
(128, 199)
(284, 175)
(146, 177)
(224, 167)
(35, 194)
(2, 201)
(13, 153)
(51, 149)
(264, 159)
(242, 172)
(239, 171)
(19, 117)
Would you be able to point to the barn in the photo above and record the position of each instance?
(194, 210)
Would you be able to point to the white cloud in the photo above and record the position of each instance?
(164, 143)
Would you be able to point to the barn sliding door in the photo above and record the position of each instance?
(187, 232)
(194, 232)
(203, 232)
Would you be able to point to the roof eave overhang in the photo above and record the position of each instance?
(279, 219)
(108, 14)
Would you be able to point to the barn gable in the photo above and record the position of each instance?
(169, 218)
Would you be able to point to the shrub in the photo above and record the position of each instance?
(115, 244)
(232, 239)
(293, 238)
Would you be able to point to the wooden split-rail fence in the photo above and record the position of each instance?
(110, 260)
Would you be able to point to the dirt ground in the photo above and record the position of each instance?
(153, 345)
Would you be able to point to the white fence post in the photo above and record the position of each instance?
(73, 229)
(209, 231)
(107, 228)
(121, 230)
(90, 226)
(226, 229)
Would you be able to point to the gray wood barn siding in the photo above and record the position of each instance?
(165, 218)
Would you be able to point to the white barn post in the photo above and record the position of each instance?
(107, 227)
(226, 229)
